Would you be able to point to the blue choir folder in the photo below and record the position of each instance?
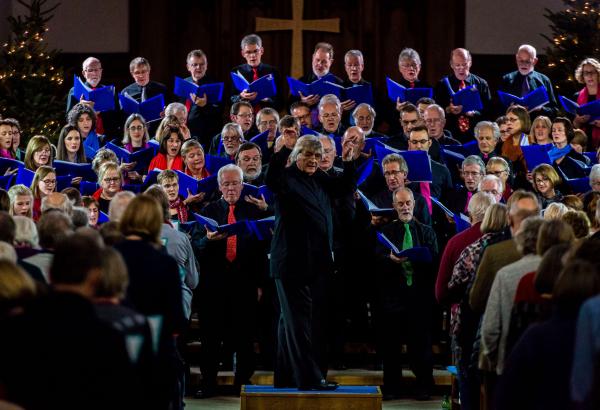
(592, 108)
(208, 184)
(87, 188)
(84, 171)
(257, 192)
(307, 131)
(151, 178)
(10, 164)
(264, 87)
(102, 218)
(359, 94)
(536, 155)
(370, 143)
(149, 109)
(263, 228)
(416, 254)
(364, 171)
(142, 158)
(319, 87)
(532, 101)
(372, 208)
(470, 148)
(239, 227)
(5, 181)
(461, 221)
(103, 97)
(262, 140)
(579, 185)
(183, 89)
(186, 183)
(397, 91)
(419, 165)
(213, 164)
(468, 97)
(25, 176)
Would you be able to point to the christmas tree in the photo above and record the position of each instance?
(575, 36)
(30, 80)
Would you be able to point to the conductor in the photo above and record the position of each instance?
(302, 256)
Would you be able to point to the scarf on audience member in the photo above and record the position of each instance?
(182, 213)
(556, 153)
(129, 147)
(584, 98)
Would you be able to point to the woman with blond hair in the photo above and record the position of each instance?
(111, 182)
(44, 183)
(21, 200)
(545, 181)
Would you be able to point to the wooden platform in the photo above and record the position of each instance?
(255, 397)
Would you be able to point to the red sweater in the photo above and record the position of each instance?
(160, 162)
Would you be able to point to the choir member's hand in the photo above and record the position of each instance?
(348, 105)
(11, 171)
(127, 166)
(396, 259)
(259, 293)
(309, 99)
(86, 102)
(133, 175)
(580, 120)
(260, 203)
(191, 198)
(279, 143)
(471, 113)
(76, 181)
(400, 105)
(349, 146)
(595, 123)
(454, 109)
(215, 236)
(185, 131)
(248, 96)
(200, 101)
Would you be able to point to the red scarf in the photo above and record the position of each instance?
(160, 162)
(182, 213)
(584, 98)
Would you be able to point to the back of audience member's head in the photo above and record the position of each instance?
(91, 233)
(494, 219)
(579, 222)
(57, 200)
(142, 218)
(115, 279)
(79, 217)
(73, 194)
(4, 200)
(478, 205)
(555, 211)
(587, 250)
(26, 233)
(550, 267)
(53, 227)
(573, 202)
(521, 205)
(7, 252)
(553, 232)
(77, 263)
(111, 234)
(118, 205)
(578, 281)
(7, 227)
(526, 236)
(16, 288)
(157, 192)
(590, 204)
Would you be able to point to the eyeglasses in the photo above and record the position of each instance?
(330, 115)
(251, 52)
(265, 123)
(417, 142)
(245, 115)
(542, 180)
(136, 128)
(590, 73)
(113, 180)
(491, 191)
(49, 181)
(353, 66)
(140, 72)
(391, 173)
(43, 151)
(511, 119)
(231, 139)
(409, 66)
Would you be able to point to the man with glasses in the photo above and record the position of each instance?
(204, 119)
(267, 119)
(525, 79)
(409, 118)
(354, 66)
(459, 121)
(301, 111)
(472, 172)
(435, 121)
(252, 51)
(330, 116)
(241, 114)
(143, 88)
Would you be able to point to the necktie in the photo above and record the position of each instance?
(412, 84)
(469, 195)
(426, 192)
(144, 94)
(525, 86)
(254, 73)
(463, 120)
(407, 243)
(231, 240)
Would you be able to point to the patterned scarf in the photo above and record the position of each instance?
(182, 212)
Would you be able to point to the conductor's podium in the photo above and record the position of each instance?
(255, 397)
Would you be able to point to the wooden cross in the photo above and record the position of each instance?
(297, 25)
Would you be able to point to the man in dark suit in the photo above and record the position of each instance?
(204, 119)
(459, 121)
(252, 70)
(524, 80)
(302, 256)
(330, 116)
(405, 299)
(230, 285)
(472, 171)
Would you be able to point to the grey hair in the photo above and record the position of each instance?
(390, 158)
(251, 39)
(555, 210)
(65, 205)
(328, 137)
(89, 61)
(403, 189)
(364, 105)
(175, 107)
(330, 99)
(118, 205)
(267, 111)
(26, 231)
(409, 54)
(438, 108)
(594, 173)
(309, 143)
(526, 237)
(490, 177)
(478, 204)
(487, 124)
(529, 49)
(234, 127)
(227, 168)
(79, 217)
(473, 160)
(354, 53)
